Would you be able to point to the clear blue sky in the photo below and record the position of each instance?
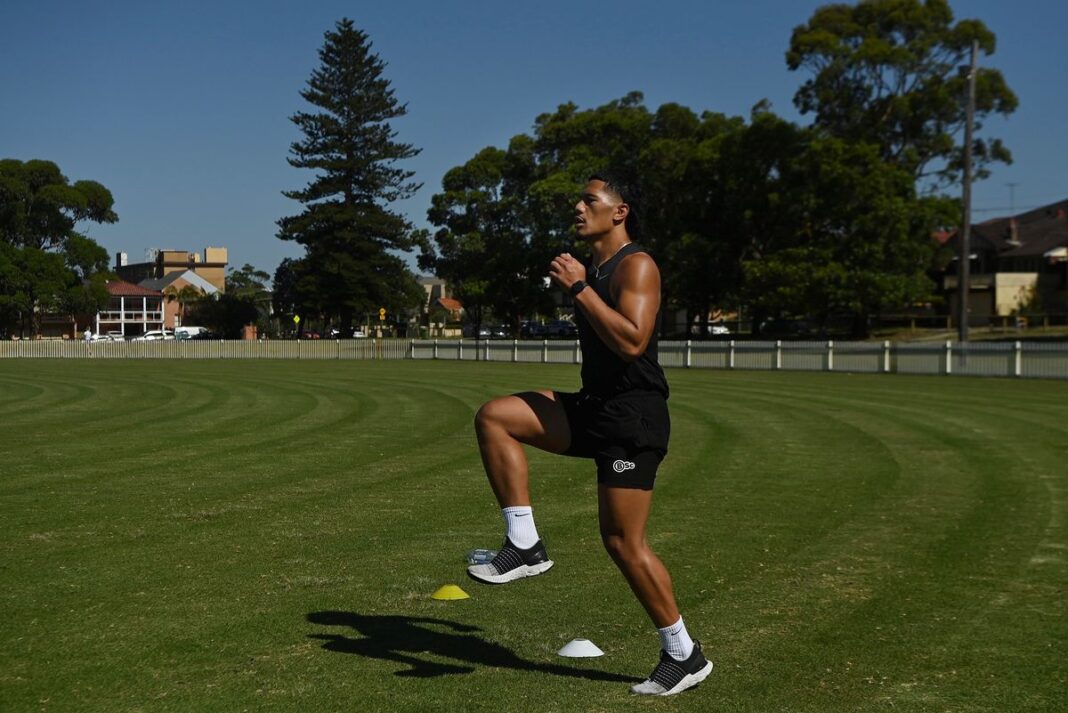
(181, 109)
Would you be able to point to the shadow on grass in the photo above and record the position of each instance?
(403, 639)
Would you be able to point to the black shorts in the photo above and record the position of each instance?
(627, 435)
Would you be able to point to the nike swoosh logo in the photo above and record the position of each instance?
(521, 514)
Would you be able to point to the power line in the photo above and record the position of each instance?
(1010, 209)
(1032, 198)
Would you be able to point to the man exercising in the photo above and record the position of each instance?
(619, 419)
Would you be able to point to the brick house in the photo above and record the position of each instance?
(132, 310)
(1013, 260)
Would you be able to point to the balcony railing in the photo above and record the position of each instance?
(130, 316)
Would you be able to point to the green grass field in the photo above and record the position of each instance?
(255, 535)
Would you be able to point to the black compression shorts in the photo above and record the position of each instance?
(627, 435)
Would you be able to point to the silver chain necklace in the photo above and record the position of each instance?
(597, 269)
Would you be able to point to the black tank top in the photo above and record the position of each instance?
(604, 374)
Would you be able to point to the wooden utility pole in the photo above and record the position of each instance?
(964, 262)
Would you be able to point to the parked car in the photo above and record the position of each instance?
(188, 332)
(155, 335)
(494, 331)
(486, 331)
(787, 328)
(357, 333)
(206, 334)
(713, 329)
(101, 338)
(561, 328)
(532, 330)
(116, 336)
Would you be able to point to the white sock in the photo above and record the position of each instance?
(519, 521)
(676, 641)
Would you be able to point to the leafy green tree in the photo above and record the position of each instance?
(252, 284)
(85, 256)
(247, 281)
(504, 214)
(47, 265)
(224, 313)
(691, 197)
(32, 282)
(87, 262)
(783, 219)
(568, 145)
(297, 293)
(888, 72)
(705, 178)
(483, 249)
(284, 295)
(349, 233)
(16, 294)
(581, 142)
(858, 238)
(40, 208)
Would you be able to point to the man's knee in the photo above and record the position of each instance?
(623, 549)
(483, 417)
(492, 413)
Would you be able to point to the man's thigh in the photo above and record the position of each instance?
(536, 418)
(623, 511)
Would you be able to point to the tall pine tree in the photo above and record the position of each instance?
(349, 233)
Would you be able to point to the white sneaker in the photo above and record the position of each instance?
(671, 676)
(512, 563)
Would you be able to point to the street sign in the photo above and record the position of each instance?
(382, 313)
(296, 319)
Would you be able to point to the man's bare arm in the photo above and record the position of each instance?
(636, 289)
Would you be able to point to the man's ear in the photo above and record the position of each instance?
(619, 216)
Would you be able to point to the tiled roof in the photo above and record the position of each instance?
(1036, 231)
(119, 288)
(450, 304)
(190, 278)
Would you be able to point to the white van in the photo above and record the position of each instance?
(188, 332)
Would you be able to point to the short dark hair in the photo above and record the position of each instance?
(629, 193)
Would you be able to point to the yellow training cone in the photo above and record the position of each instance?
(449, 592)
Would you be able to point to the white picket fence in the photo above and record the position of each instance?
(1019, 359)
(210, 349)
(1013, 359)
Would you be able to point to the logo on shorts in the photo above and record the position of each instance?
(621, 465)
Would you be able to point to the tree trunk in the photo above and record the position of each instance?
(861, 328)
